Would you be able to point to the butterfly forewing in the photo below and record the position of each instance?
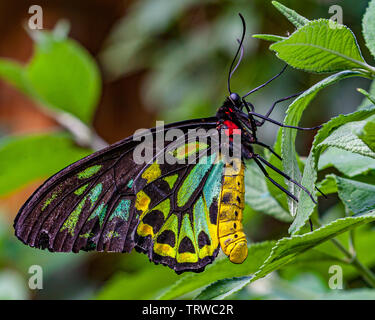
(108, 202)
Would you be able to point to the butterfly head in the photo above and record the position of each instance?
(235, 99)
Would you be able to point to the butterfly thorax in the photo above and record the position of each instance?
(232, 120)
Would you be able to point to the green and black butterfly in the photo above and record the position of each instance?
(178, 214)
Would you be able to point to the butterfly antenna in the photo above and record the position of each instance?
(267, 82)
(240, 48)
(239, 60)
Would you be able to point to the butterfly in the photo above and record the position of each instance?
(179, 214)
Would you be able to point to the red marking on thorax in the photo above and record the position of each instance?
(231, 126)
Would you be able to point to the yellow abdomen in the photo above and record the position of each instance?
(230, 230)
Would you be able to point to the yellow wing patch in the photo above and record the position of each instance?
(188, 149)
(152, 173)
(142, 202)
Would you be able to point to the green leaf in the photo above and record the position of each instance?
(222, 288)
(369, 96)
(258, 196)
(276, 193)
(357, 196)
(27, 158)
(344, 138)
(319, 259)
(135, 284)
(293, 117)
(321, 46)
(306, 206)
(222, 268)
(287, 249)
(295, 18)
(63, 76)
(347, 162)
(13, 73)
(366, 102)
(269, 37)
(366, 132)
(368, 27)
(328, 184)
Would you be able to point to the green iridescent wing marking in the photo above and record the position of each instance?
(181, 231)
(106, 202)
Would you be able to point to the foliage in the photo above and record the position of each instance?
(19, 158)
(63, 78)
(74, 84)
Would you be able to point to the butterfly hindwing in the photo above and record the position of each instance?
(180, 229)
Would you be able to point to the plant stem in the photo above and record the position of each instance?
(82, 133)
(367, 73)
(366, 273)
(369, 68)
(351, 237)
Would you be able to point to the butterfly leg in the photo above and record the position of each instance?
(273, 181)
(321, 192)
(311, 225)
(276, 102)
(267, 147)
(281, 124)
(284, 175)
(248, 106)
(279, 157)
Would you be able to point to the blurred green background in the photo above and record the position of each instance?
(152, 60)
